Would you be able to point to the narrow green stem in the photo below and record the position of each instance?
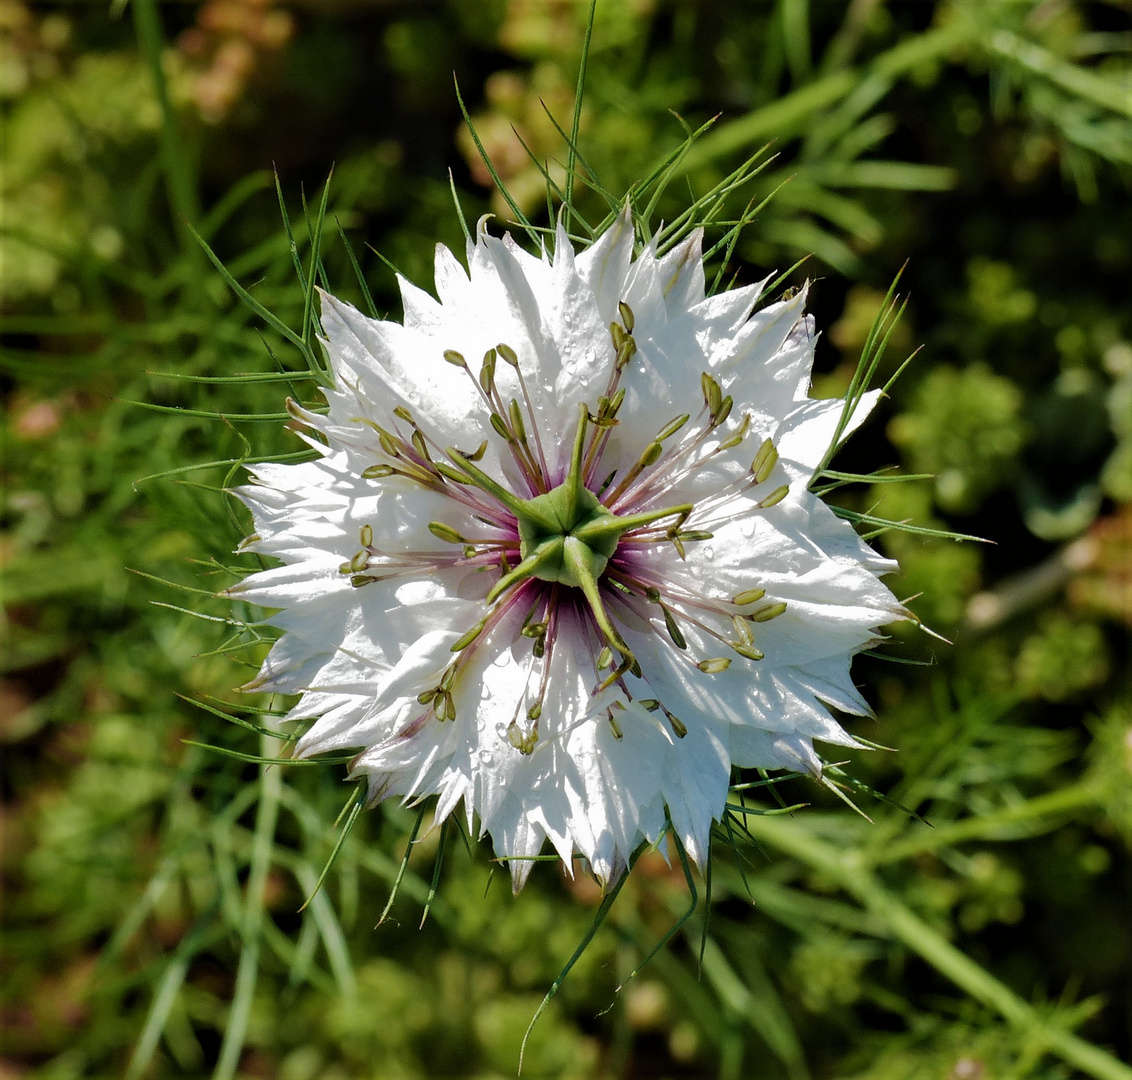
(1052, 804)
(848, 871)
(263, 847)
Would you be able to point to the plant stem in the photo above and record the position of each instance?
(847, 870)
(263, 845)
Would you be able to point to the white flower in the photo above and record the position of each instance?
(576, 582)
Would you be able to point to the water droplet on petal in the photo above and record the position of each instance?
(486, 757)
(485, 692)
(501, 731)
(709, 552)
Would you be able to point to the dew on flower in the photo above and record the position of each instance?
(584, 590)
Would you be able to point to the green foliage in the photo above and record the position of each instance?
(171, 912)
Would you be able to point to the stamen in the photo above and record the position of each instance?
(771, 611)
(774, 498)
(765, 461)
(714, 665)
(750, 596)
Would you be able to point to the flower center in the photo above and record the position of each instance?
(581, 537)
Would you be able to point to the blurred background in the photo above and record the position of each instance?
(151, 921)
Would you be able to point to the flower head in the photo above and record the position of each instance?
(557, 558)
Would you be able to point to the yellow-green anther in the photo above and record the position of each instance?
(678, 544)
(507, 355)
(765, 460)
(464, 640)
(743, 629)
(713, 395)
(695, 534)
(672, 427)
(500, 426)
(605, 658)
(679, 728)
(517, 421)
(365, 535)
(421, 446)
(346, 568)
(749, 651)
(427, 696)
(748, 596)
(360, 580)
(649, 704)
(617, 334)
(765, 614)
(626, 352)
(358, 562)
(525, 744)
(443, 703)
(652, 594)
(403, 414)
(774, 498)
(714, 665)
(651, 455)
(447, 677)
(470, 551)
(673, 629)
(539, 648)
(478, 453)
(445, 532)
(723, 412)
(453, 357)
(615, 403)
(626, 314)
(487, 372)
(614, 726)
(377, 472)
(535, 711)
(534, 630)
(389, 444)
